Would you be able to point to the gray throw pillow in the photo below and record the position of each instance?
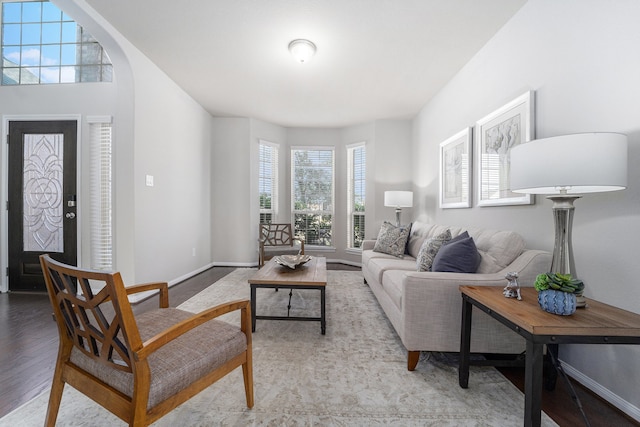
(392, 240)
(457, 257)
(429, 249)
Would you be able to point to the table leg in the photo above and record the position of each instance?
(465, 344)
(533, 384)
(253, 308)
(323, 317)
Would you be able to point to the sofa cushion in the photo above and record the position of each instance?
(377, 266)
(497, 249)
(419, 232)
(457, 256)
(392, 240)
(429, 249)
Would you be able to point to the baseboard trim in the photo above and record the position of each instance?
(136, 298)
(234, 264)
(615, 400)
(255, 264)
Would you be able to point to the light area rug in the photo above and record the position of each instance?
(355, 375)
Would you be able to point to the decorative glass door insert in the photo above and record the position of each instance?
(43, 193)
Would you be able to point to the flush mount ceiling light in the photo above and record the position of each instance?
(302, 50)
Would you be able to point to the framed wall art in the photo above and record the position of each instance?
(455, 170)
(496, 135)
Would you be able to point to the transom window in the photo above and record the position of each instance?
(43, 45)
(312, 194)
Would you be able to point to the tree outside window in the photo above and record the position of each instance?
(312, 194)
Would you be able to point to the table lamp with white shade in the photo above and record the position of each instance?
(398, 200)
(564, 167)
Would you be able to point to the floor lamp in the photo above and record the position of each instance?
(563, 167)
(398, 200)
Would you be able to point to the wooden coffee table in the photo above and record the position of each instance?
(312, 275)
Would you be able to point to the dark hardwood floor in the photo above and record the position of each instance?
(28, 347)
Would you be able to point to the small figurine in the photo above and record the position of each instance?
(512, 290)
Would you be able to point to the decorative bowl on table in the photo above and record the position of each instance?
(292, 261)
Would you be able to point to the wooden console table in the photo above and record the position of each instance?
(598, 323)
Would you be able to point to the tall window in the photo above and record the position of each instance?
(312, 194)
(268, 181)
(101, 224)
(356, 171)
(42, 45)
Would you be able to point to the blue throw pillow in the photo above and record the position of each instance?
(460, 256)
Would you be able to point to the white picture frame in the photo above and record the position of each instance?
(456, 170)
(496, 134)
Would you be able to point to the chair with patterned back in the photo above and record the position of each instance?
(277, 239)
(141, 367)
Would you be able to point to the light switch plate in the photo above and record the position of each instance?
(149, 180)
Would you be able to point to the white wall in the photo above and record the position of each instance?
(231, 220)
(581, 58)
(172, 144)
(392, 169)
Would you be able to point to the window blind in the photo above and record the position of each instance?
(101, 221)
(356, 182)
(268, 181)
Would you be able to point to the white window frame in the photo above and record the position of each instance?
(352, 178)
(327, 211)
(273, 177)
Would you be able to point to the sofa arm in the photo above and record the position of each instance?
(368, 245)
(528, 265)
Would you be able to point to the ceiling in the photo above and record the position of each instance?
(376, 59)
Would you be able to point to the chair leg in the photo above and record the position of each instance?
(412, 360)
(247, 373)
(55, 397)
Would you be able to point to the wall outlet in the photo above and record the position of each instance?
(149, 180)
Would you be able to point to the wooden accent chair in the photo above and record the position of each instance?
(277, 239)
(138, 368)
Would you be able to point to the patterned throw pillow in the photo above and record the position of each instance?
(392, 240)
(429, 249)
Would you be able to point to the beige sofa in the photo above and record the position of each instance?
(425, 307)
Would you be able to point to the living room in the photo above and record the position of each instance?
(580, 58)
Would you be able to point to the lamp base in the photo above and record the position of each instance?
(562, 261)
(581, 302)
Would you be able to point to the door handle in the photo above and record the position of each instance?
(70, 215)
